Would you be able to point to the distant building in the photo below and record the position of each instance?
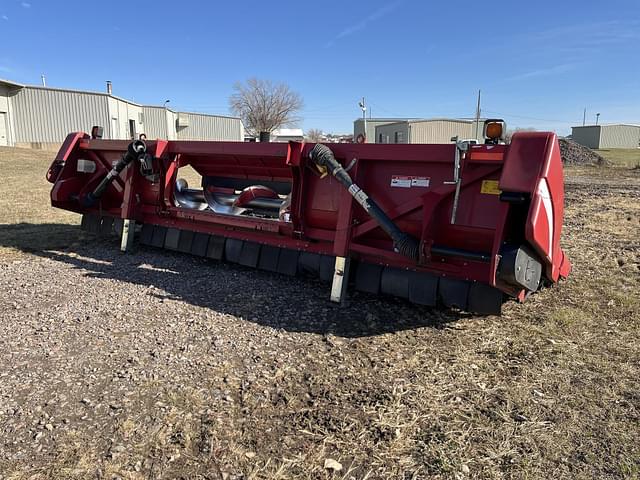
(287, 135)
(372, 124)
(41, 117)
(437, 130)
(337, 138)
(607, 136)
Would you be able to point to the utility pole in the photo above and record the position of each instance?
(363, 106)
(597, 118)
(584, 117)
(44, 80)
(478, 115)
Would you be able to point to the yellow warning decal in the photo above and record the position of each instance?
(490, 187)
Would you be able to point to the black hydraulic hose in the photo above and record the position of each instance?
(403, 243)
(135, 149)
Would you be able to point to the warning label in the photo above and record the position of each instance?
(490, 187)
(420, 181)
(408, 181)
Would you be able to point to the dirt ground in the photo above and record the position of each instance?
(161, 365)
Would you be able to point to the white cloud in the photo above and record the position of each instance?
(4, 17)
(26, 4)
(545, 72)
(362, 24)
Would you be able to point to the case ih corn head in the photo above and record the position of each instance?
(458, 225)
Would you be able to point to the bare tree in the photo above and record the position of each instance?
(264, 106)
(314, 135)
(509, 134)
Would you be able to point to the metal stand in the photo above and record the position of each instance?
(128, 230)
(340, 280)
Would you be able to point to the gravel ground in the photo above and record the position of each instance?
(575, 154)
(161, 365)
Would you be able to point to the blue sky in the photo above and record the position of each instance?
(539, 64)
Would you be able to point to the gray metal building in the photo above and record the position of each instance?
(607, 136)
(439, 130)
(41, 117)
(372, 124)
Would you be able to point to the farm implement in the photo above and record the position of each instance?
(461, 225)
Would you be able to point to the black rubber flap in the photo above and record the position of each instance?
(159, 234)
(250, 254)
(288, 262)
(171, 239)
(106, 226)
(309, 263)
(327, 267)
(216, 247)
(395, 282)
(269, 256)
(146, 236)
(233, 250)
(454, 293)
(186, 238)
(423, 288)
(90, 223)
(485, 299)
(199, 244)
(368, 277)
(118, 225)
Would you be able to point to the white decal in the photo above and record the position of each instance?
(408, 181)
(543, 191)
(354, 189)
(420, 181)
(401, 181)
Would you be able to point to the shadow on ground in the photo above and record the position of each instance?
(294, 304)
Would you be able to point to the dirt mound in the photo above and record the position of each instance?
(575, 154)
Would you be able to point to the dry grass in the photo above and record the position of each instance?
(25, 201)
(549, 390)
(628, 158)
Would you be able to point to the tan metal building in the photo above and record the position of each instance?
(41, 117)
(7, 126)
(607, 136)
(438, 130)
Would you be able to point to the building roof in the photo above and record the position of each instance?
(159, 107)
(456, 120)
(10, 83)
(415, 120)
(89, 92)
(609, 125)
(383, 119)
(428, 120)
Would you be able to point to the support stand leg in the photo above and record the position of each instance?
(128, 230)
(340, 280)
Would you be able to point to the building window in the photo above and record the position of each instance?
(399, 137)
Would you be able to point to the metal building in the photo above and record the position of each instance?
(41, 117)
(439, 130)
(283, 135)
(7, 127)
(607, 136)
(372, 124)
(200, 126)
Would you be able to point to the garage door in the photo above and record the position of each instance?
(4, 141)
